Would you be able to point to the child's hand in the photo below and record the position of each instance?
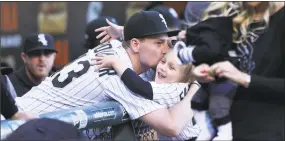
(104, 61)
(202, 73)
(112, 31)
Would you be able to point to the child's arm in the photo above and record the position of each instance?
(109, 61)
(212, 40)
(134, 82)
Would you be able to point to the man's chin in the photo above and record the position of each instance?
(41, 75)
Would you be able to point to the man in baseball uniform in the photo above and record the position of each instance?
(77, 84)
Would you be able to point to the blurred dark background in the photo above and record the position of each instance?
(66, 21)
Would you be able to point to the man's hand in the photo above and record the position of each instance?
(24, 116)
(109, 32)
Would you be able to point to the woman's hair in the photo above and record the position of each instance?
(243, 15)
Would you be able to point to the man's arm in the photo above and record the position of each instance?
(175, 118)
(24, 115)
(8, 107)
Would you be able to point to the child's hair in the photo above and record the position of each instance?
(187, 74)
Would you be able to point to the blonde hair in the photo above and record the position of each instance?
(187, 69)
(243, 16)
(188, 76)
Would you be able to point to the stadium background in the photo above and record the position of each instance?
(66, 21)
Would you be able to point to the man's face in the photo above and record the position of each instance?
(151, 50)
(39, 63)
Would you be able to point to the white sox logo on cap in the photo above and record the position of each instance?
(42, 39)
(163, 20)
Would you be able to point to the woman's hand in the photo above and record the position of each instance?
(228, 70)
(109, 32)
(104, 61)
(202, 74)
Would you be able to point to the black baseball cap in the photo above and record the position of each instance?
(146, 23)
(39, 41)
(169, 14)
(90, 34)
(45, 129)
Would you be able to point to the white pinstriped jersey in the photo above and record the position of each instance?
(190, 130)
(167, 98)
(77, 85)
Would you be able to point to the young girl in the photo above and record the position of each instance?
(168, 70)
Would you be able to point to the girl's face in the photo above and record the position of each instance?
(168, 70)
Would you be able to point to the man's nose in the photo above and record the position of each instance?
(165, 48)
(42, 56)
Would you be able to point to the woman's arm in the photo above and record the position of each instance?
(260, 83)
(267, 85)
(172, 121)
(134, 82)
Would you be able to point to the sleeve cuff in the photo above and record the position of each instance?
(186, 55)
(10, 112)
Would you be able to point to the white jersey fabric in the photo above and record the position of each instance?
(78, 84)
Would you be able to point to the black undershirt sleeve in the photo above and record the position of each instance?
(136, 84)
(8, 107)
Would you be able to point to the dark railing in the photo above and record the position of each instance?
(94, 116)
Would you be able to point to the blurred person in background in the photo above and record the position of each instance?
(90, 35)
(153, 4)
(193, 14)
(38, 55)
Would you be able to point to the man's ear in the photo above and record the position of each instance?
(24, 57)
(135, 45)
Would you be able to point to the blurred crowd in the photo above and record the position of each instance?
(240, 43)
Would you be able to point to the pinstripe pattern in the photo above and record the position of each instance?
(89, 88)
(168, 95)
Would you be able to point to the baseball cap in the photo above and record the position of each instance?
(90, 34)
(194, 11)
(39, 41)
(169, 14)
(45, 129)
(146, 23)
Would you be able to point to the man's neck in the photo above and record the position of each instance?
(137, 66)
(35, 80)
